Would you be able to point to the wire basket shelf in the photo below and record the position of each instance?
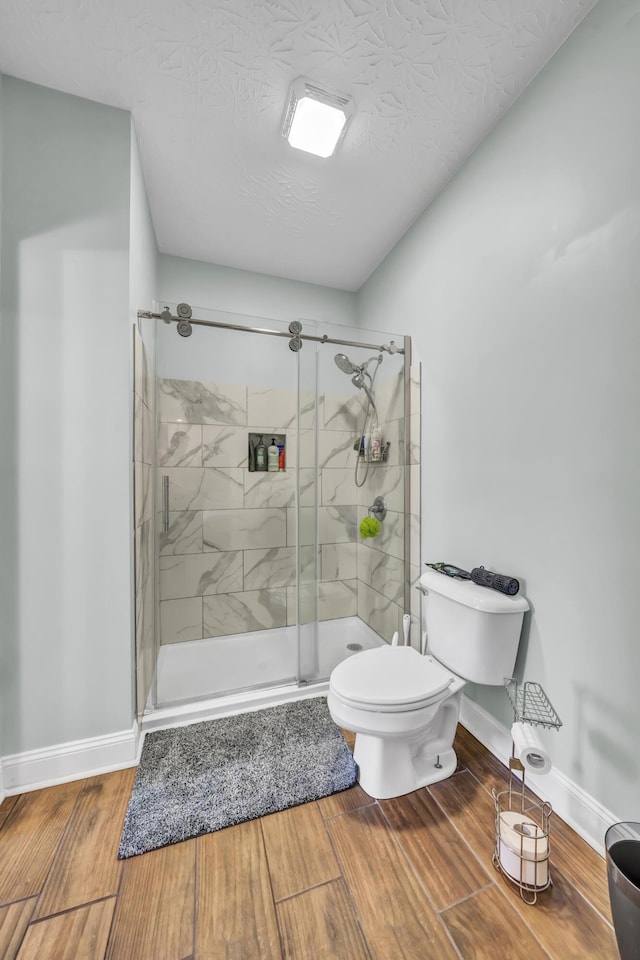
(531, 704)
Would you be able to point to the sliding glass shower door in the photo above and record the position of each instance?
(229, 561)
(273, 444)
(353, 589)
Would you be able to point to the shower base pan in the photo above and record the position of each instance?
(200, 679)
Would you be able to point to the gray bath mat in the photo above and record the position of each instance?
(197, 779)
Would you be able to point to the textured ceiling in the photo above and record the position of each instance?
(207, 81)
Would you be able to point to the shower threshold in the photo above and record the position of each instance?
(219, 676)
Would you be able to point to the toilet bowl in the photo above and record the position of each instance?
(403, 706)
(404, 709)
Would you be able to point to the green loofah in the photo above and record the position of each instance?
(370, 527)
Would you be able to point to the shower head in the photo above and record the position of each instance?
(343, 363)
(359, 373)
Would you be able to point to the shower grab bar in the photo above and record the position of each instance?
(165, 504)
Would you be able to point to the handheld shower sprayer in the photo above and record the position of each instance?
(359, 373)
(358, 381)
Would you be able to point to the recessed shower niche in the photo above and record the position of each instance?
(258, 458)
(261, 578)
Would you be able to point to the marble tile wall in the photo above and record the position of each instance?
(228, 560)
(381, 560)
(143, 443)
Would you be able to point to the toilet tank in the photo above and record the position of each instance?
(472, 630)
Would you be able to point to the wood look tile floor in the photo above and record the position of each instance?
(345, 877)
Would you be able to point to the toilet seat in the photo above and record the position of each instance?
(390, 679)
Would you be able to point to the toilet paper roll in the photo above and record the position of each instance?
(523, 835)
(523, 849)
(529, 749)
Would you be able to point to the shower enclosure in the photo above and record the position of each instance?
(252, 583)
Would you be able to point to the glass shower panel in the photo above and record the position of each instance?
(358, 595)
(305, 611)
(144, 332)
(228, 557)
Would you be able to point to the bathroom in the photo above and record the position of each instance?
(518, 287)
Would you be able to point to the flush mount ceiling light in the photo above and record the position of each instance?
(315, 120)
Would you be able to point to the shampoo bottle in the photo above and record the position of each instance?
(272, 457)
(376, 443)
(261, 455)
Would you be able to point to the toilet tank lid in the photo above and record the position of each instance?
(471, 594)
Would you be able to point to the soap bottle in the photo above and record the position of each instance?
(261, 455)
(272, 456)
(376, 443)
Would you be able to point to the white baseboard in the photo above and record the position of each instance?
(576, 807)
(34, 769)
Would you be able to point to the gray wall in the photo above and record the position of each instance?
(143, 250)
(253, 294)
(66, 439)
(521, 288)
(6, 443)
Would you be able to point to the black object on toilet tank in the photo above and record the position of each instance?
(450, 570)
(497, 581)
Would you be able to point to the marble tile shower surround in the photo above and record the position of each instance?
(380, 560)
(143, 444)
(228, 560)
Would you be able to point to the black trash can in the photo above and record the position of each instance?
(622, 843)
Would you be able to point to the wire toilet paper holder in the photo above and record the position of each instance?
(522, 824)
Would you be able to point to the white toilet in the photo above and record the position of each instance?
(404, 706)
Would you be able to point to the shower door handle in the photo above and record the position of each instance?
(165, 504)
